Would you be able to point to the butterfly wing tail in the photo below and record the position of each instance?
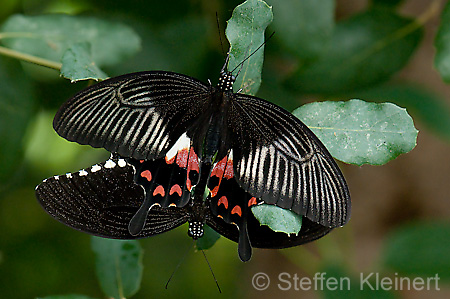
(101, 201)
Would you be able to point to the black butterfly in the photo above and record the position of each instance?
(173, 137)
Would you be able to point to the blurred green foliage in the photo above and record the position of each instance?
(119, 266)
(312, 54)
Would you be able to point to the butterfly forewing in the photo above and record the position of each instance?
(278, 159)
(137, 115)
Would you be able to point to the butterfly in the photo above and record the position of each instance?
(187, 151)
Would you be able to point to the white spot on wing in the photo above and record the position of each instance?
(68, 175)
(182, 142)
(121, 163)
(56, 177)
(95, 168)
(110, 164)
(83, 172)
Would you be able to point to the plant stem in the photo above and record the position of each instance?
(30, 58)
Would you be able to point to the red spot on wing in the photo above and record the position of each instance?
(193, 160)
(141, 161)
(182, 157)
(236, 210)
(229, 170)
(223, 200)
(252, 201)
(175, 189)
(147, 174)
(218, 171)
(159, 190)
(219, 168)
(192, 166)
(215, 189)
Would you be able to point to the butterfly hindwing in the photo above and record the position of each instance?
(167, 181)
(101, 200)
(261, 236)
(137, 115)
(278, 159)
(229, 202)
(231, 215)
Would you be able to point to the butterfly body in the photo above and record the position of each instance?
(185, 151)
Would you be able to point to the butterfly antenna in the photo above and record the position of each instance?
(242, 63)
(251, 54)
(210, 269)
(178, 266)
(220, 34)
(226, 63)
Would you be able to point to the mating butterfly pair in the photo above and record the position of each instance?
(174, 137)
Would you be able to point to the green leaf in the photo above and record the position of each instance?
(364, 50)
(17, 108)
(278, 219)
(359, 132)
(119, 266)
(423, 105)
(209, 238)
(245, 32)
(305, 27)
(77, 64)
(442, 45)
(420, 249)
(71, 296)
(50, 36)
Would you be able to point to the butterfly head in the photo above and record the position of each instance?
(226, 81)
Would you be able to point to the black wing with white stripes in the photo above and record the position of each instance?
(278, 159)
(137, 115)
